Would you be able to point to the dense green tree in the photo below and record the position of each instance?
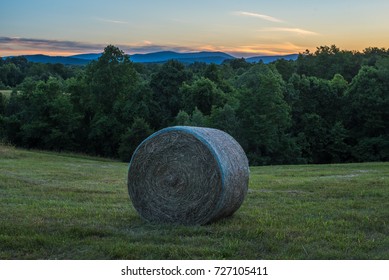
(313, 95)
(182, 118)
(203, 94)
(132, 137)
(102, 94)
(19, 61)
(317, 115)
(11, 75)
(368, 103)
(328, 106)
(373, 54)
(286, 68)
(11, 119)
(238, 64)
(13, 70)
(198, 119)
(337, 148)
(225, 118)
(104, 135)
(110, 79)
(197, 68)
(216, 74)
(40, 71)
(313, 138)
(372, 149)
(213, 73)
(368, 114)
(138, 104)
(166, 83)
(339, 85)
(264, 114)
(42, 116)
(327, 61)
(2, 104)
(2, 118)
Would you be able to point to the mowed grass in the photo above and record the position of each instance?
(59, 206)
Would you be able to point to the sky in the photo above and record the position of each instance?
(242, 28)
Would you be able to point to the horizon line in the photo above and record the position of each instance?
(12, 46)
(19, 46)
(247, 55)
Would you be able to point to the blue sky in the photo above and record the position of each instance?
(242, 28)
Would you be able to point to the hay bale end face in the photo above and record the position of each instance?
(188, 175)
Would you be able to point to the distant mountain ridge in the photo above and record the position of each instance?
(269, 59)
(87, 56)
(156, 57)
(67, 60)
(207, 57)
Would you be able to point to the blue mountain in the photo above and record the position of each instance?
(269, 59)
(157, 57)
(40, 58)
(87, 56)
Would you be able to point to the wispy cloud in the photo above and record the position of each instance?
(256, 15)
(24, 46)
(147, 47)
(290, 30)
(31, 45)
(112, 21)
(281, 48)
(18, 46)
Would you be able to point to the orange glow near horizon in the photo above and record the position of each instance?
(244, 51)
(36, 52)
(241, 28)
(240, 51)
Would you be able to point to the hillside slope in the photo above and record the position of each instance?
(61, 206)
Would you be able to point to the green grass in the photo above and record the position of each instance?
(60, 206)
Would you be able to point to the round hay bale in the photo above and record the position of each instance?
(188, 175)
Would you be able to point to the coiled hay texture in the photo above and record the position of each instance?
(188, 175)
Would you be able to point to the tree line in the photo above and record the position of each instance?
(329, 106)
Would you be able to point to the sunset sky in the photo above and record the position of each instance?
(238, 27)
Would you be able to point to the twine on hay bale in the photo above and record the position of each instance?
(188, 175)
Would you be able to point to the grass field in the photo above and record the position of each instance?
(59, 206)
